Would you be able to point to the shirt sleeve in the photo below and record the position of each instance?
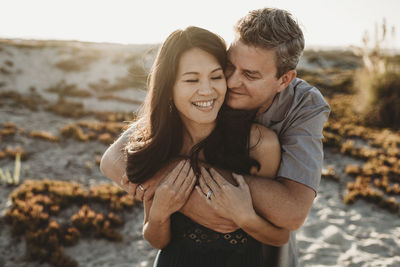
(301, 142)
(113, 162)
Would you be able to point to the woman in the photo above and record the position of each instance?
(184, 116)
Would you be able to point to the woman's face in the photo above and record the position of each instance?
(200, 87)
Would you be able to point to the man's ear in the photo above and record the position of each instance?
(286, 79)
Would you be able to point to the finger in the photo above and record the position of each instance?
(149, 193)
(125, 187)
(209, 180)
(239, 179)
(139, 194)
(191, 185)
(124, 180)
(208, 192)
(203, 186)
(199, 190)
(217, 177)
(132, 189)
(175, 172)
(194, 180)
(180, 179)
(189, 180)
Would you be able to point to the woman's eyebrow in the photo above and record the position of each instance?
(190, 72)
(194, 72)
(217, 69)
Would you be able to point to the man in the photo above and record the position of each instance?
(262, 75)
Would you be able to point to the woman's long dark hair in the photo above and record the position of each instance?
(158, 133)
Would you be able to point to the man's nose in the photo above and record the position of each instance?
(234, 80)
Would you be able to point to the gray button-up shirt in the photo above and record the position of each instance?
(297, 115)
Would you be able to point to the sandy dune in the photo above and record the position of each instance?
(334, 234)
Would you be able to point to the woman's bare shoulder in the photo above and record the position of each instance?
(265, 148)
(262, 138)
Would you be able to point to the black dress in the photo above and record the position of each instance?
(194, 245)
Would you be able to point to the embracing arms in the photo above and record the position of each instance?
(284, 203)
(157, 223)
(286, 200)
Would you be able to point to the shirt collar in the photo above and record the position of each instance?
(280, 105)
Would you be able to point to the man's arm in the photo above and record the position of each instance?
(281, 201)
(284, 201)
(113, 162)
(113, 166)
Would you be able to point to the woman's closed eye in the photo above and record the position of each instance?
(191, 80)
(219, 77)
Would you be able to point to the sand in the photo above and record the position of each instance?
(334, 234)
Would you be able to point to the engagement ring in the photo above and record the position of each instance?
(209, 194)
(141, 187)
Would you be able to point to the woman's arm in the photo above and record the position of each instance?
(155, 230)
(170, 196)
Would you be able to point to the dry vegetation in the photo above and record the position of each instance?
(368, 102)
(80, 61)
(105, 132)
(137, 77)
(37, 208)
(31, 101)
(63, 89)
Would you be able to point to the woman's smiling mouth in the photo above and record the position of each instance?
(204, 104)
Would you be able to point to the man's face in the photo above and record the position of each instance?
(251, 77)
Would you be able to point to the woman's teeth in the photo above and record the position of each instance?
(204, 104)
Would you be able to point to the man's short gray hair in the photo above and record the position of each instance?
(276, 29)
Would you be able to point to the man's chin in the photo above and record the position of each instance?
(235, 104)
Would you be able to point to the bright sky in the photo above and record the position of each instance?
(324, 22)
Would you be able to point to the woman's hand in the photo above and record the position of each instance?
(227, 200)
(146, 190)
(173, 192)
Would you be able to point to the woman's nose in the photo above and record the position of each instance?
(205, 88)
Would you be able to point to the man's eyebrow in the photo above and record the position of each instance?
(252, 72)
